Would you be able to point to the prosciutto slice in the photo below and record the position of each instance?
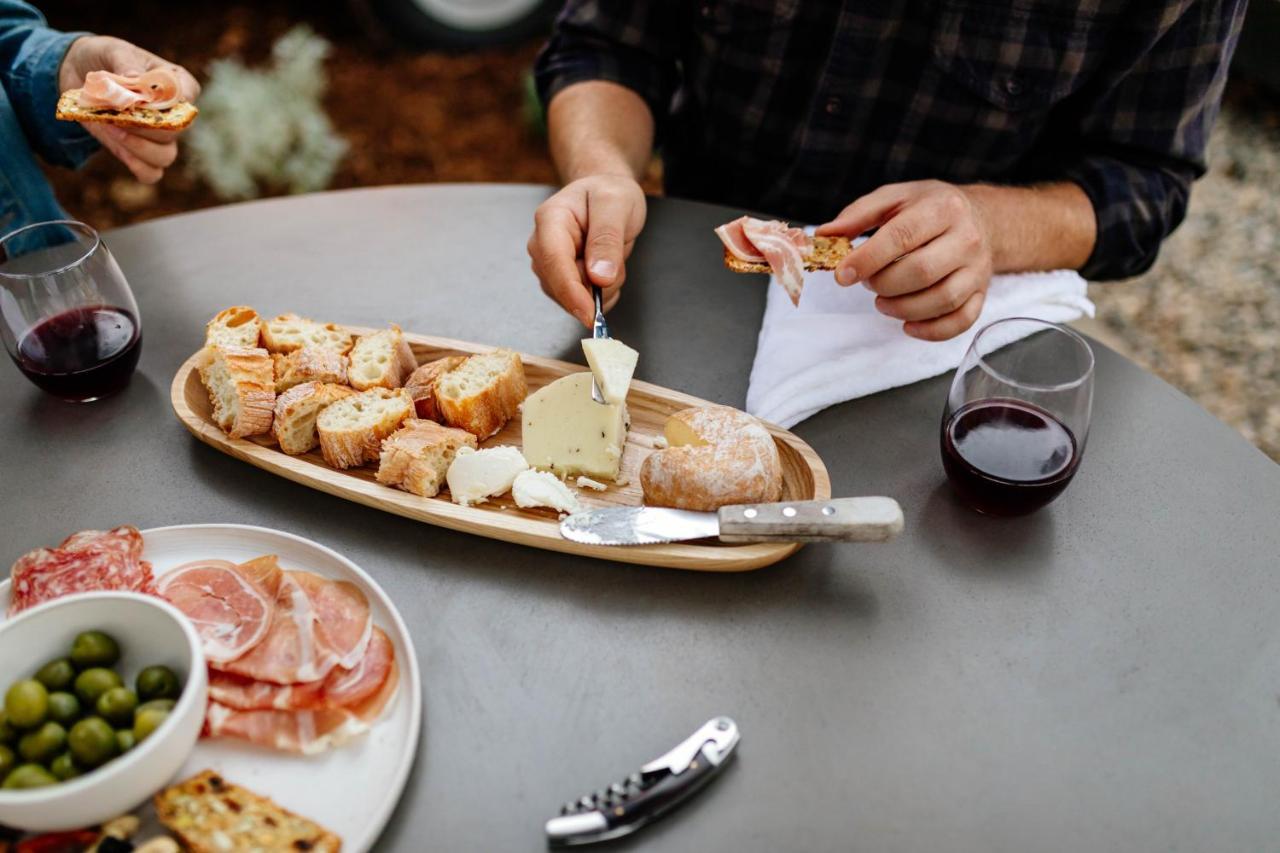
(88, 561)
(343, 687)
(781, 246)
(294, 649)
(157, 89)
(343, 621)
(230, 606)
(308, 732)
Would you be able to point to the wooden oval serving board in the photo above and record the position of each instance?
(804, 475)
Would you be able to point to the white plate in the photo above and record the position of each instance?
(350, 790)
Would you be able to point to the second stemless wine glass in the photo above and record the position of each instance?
(70, 322)
(1017, 416)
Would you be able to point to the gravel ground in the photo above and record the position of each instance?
(1206, 317)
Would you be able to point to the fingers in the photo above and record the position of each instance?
(553, 250)
(934, 301)
(867, 212)
(607, 217)
(146, 158)
(947, 327)
(907, 230)
(188, 86)
(920, 269)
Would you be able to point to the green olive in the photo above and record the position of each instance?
(157, 682)
(43, 744)
(7, 760)
(92, 683)
(29, 776)
(8, 734)
(116, 706)
(64, 767)
(64, 708)
(146, 722)
(26, 704)
(57, 674)
(125, 740)
(94, 648)
(165, 705)
(92, 741)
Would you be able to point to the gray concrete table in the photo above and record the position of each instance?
(1104, 675)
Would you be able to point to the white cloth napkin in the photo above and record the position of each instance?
(835, 346)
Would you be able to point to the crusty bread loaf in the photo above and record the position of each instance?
(381, 360)
(210, 815)
(289, 332)
(309, 364)
(421, 384)
(827, 253)
(351, 430)
(296, 413)
(175, 117)
(241, 387)
(417, 456)
(482, 393)
(234, 327)
(716, 456)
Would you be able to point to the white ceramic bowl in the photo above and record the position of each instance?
(149, 631)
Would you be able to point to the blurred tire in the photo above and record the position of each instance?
(461, 24)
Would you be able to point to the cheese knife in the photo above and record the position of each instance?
(866, 519)
(599, 329)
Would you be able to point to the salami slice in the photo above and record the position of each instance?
(88, 561)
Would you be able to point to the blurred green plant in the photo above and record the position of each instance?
(261, 129)
(535, 117)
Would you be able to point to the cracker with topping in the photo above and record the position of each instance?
(208, 814)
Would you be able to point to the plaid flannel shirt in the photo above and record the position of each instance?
(798, 107)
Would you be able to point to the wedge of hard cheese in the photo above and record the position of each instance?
(567, 433)
(612, 362)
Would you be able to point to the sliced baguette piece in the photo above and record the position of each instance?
(417, 456)
(351, 430)
(827, 253)
(289, 332)
(235, 327)
(381, 360)
(421, 384)
(482, 393)
(210, 815)
(296, 413)
(309, 364)
(241, 386)
(176, 117)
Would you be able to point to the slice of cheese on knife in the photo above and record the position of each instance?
(612, 363)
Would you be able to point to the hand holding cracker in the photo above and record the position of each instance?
(132, 101)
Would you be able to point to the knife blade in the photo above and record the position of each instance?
(864, 519)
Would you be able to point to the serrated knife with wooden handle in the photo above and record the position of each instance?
(866, 519)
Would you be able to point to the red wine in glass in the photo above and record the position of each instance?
(1017, 415)
(81, 354)
(69, 321)
(1008, 457)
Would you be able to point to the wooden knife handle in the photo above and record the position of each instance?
(871, 519)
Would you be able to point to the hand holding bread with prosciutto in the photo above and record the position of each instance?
(130, 100)
(754, 245)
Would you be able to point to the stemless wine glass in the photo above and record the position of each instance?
(1017, 416)
(70, 322)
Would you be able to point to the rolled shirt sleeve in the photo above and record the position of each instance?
(30, 56)
(618, 41)
(1143, 141)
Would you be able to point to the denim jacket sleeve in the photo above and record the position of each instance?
(30, 56)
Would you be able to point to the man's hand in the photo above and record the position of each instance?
(584, 234)
(146, 152)
(931, 260)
